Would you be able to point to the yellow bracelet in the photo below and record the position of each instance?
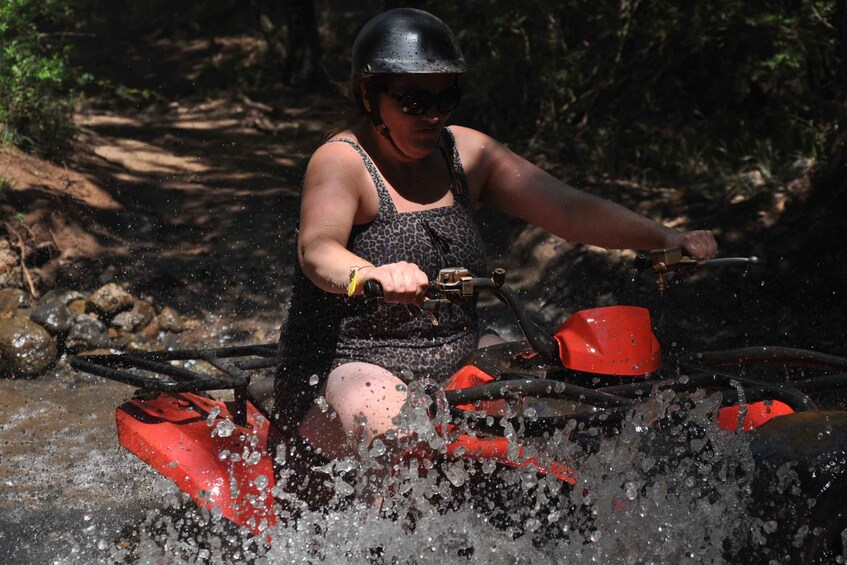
(354, 280)
(353, 285)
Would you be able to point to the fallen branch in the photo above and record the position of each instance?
(22, 246)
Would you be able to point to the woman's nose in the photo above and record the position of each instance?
(432, 115)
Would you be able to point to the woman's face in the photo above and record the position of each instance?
(416, 135)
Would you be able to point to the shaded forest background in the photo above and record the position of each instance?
(739, 106)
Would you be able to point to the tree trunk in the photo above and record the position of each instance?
(291, 31)
(304, 44)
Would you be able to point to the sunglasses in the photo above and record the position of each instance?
(416, 103)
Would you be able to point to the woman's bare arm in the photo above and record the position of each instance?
(335, 196)
(519, 188)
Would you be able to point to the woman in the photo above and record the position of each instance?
(389, 200)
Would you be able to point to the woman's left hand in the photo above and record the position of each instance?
(700, 244)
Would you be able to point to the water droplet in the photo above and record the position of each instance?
(322, 403)
(314, 380)
(456, 474)
(343, 488)
(377, 449)
(224, 428)
(261, 482)
(770, 526)
(213, 414)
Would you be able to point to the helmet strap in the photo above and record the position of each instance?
(379, 125)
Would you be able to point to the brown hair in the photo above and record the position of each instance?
(355, 113)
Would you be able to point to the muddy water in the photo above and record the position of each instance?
(67, 488)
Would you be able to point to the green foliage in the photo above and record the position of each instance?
(662, 89)
(6, 184)
(35, 80)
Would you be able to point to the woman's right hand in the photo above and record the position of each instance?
(402, 283)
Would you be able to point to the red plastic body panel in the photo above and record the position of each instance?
(179, 436)
(495, 447)
(757, 414)
(614, 340)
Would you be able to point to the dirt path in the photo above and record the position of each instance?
(207, 202)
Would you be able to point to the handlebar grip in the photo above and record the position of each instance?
(730, 261)
(372, 289)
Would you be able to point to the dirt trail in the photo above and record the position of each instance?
(207, 203)
(178, 184)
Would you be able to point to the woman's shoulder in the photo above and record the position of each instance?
(469, 140)
(339, 151)
(461, 133)
(474, 146)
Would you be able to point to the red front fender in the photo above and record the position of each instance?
(193, 441)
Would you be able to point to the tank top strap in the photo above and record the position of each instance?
(456, 168)
(386, 205)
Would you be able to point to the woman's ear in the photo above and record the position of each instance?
(363, 92)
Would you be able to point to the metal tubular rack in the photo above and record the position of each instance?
(154, 372)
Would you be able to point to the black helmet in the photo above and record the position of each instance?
(403, 41)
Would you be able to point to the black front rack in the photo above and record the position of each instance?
(232, 365)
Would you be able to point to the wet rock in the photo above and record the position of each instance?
(53, 316)
(12, 298)
(26, 349)
(170, 320)
(109, 300)
(87, 333)
(8, 258)
(77, 307)
(131, 321)
(150, 331)
(127, 322)
(63, 296)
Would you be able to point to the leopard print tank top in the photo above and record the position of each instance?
(324, 330)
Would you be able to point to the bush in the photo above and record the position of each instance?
(667, 89)
(36, 83)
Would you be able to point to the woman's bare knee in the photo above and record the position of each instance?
(366, 398)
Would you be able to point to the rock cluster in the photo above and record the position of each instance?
(33, 334)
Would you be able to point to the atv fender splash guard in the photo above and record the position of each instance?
(193, 441)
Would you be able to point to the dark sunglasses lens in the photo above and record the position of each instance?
(418, 103)
(415, 103)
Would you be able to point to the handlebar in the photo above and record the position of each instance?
(663, 261)
(453, 284)
(456, 284)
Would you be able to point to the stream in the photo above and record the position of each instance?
(71, 494)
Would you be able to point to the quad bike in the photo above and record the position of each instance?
(592, 371)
